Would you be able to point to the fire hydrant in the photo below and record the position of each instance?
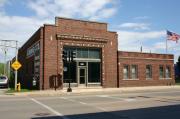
(18, 87)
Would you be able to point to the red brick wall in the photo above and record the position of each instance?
(53, 64)
(25, 73)
(141, 60)
(50, 55)
(112, 76)
(110, 60)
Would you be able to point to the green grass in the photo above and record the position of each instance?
(11, 90)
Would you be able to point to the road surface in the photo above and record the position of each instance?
(164, 104)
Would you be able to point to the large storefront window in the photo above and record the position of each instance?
(88, 60)
(93, 72)
(90, 53)
(82, 53)
(70, 75)
(94, 53)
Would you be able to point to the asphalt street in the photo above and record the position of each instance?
(163, 104)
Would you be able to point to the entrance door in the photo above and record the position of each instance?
(82, 76)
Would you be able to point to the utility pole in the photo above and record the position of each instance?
(16, 73)
(4, 48)
(10, 44)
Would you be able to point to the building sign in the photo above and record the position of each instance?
(36, 60)
(34, 50)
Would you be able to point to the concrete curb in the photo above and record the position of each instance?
(81, 91)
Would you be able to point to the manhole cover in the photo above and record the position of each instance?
(42, 114)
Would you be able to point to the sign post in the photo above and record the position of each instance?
(16, 65)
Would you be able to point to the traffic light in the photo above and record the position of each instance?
(73, 55)
(64, 56)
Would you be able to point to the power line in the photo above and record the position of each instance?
(10, 44)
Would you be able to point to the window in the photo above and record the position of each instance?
(94, 53)
(148, 71)
(134, 72)
(126, 72)
(90, 53)
(94, 72)
(69, 69)
(82, 53)
(161, 72)
(168, 72)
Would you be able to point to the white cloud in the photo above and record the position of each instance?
(132, 41)
(172, 48)
(91, 9)
(160, 45)
(2, 2)
(104, 14)
(21, 28)
(126, 37)
(135, 26)
(18, 28)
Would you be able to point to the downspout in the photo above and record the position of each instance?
(117, 70)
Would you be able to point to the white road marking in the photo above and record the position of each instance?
(117, 98)
(109, 96)
(49, 108)
(83, 103)
(129, 100)
(103, 96)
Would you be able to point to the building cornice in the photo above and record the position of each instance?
(140, 58)
(81, 37)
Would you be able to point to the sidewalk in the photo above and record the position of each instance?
(81, 91)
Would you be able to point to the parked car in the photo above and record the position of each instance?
(3, 81)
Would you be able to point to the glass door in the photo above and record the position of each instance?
(82, 76)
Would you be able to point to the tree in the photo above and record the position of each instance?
(178, 63)
(1, 68)
(178, 68)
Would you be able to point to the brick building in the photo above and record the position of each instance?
(98, 61)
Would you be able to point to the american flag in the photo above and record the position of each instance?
(172, 36)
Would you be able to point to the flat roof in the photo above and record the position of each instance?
(80, 20)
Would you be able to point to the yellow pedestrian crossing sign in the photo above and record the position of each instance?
(16, 65)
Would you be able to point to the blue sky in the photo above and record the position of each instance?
(142, 22)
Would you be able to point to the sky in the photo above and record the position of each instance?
(137, 22)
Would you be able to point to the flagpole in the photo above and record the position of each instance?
(166, 41)
(166, 46)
